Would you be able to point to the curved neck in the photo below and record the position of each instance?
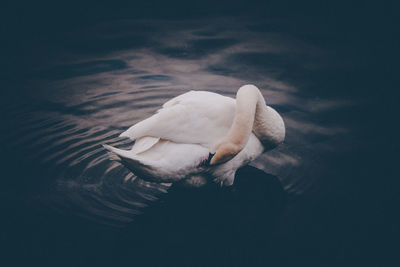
(249, 106)
(252, 115)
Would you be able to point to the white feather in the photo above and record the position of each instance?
(196, 117)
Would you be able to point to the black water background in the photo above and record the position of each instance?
(350, 219)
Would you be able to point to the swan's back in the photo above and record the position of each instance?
(196, 117)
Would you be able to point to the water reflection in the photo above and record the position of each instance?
(111, 76)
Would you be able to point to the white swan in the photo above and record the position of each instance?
(179, 141)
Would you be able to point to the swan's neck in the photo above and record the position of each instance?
(248, 104)
(252, 115)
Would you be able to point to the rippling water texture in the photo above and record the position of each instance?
(93, 83)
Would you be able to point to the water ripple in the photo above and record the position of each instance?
(84, 103)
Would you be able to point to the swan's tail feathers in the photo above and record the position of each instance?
(130, 160)
(115, 153)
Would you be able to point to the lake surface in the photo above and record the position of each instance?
(67, 204)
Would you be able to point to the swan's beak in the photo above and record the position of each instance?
(225, 151)
(210, 156)
(221, 157)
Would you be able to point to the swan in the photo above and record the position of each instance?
(201, 136)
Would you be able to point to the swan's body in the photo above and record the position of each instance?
(175, 143)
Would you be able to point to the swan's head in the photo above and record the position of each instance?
(225, 151)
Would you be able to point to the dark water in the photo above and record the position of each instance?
(322, 198)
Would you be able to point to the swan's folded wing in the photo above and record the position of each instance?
(196, 117)
(144, 143)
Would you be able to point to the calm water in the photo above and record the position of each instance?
(67, 204)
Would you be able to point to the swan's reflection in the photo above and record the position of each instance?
(209, 225)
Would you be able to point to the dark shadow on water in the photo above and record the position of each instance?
(210, 226)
